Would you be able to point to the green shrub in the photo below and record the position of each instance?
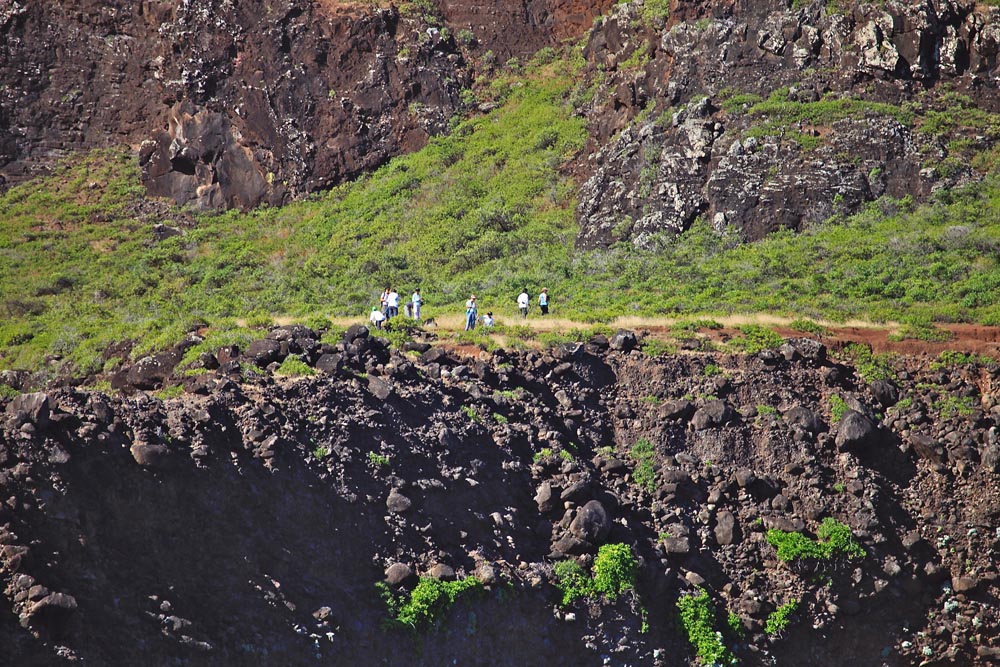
(757, 338)
(870, 366)
(614, 572)
(173, 391)
(655, 347)
(321, 452)
(780, 618)
(644, 456)
(293, 366)
(838, 407)
(615, 569)
(711, 370)
(808, 327)
(833, 540)
(572, 581)
(427, 602)
(698, 620)
(378, 460)
(6, 391)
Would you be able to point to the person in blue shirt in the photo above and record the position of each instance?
(471, 313)
(543, 301)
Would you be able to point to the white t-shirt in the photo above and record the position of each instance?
(392, 300)
(416, 298)
(522, 300)
(487, 321)
(376, 316)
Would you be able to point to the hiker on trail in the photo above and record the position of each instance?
(376, 318)
(522, 302)
(392, 303)
(470, 313)
(488, 319)
(384, 301)
(415, 302)
(543, 301)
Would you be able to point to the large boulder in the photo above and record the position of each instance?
(854, 430)
(623, 341)
(591, 523)
(29, 409)
(264, 352)
(714, 413)
(805, 419)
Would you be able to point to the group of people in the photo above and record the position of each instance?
(389, 307)
(523, 303)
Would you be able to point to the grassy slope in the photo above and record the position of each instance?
(487, 209)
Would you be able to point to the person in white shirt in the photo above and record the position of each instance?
(376, 318)
(522, 303)
(416, 302)
(488, 319)
(392, 303)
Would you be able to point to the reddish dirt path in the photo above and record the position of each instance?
(971, 338)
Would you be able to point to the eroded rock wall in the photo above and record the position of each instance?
(249, 518)
(238, 103)
(673, 142)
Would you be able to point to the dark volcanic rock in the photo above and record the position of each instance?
(591, 523)
(713, 414)
(854, 430)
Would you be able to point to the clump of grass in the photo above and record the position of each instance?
(655, 347)
(293, 366)
(644, 473)
(321, 452)
(173, 391)
(951, 358)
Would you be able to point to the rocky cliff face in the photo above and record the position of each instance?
(249, 518)
(769, 115)
(234, 104)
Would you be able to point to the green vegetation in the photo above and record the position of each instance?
(955, 406)
(654, 347)
(838, 406)
(757, 338)
(951, 358)
(427, 602)
(321, 452)
(711, 370)
(173, 391)
(615, 569)
(869, 366)
(614, 572)
(808, 327)
(698, 619)
(470, 412)
(487, 209)
(293, 366)
(6, 391)
(644, 455)
(833, 540)
(780, 618)
(378, 460)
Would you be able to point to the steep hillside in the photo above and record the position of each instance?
(811, 511)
